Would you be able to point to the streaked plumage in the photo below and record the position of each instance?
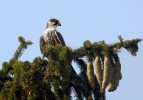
(51, 36)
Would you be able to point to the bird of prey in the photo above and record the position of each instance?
(51, 36)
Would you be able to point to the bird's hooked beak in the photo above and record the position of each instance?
(59, 24)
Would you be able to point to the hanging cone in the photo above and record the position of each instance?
(118, 75)
(111, 85)
(106, 73)
(98, 70)
(90, 74)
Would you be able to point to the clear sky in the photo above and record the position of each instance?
(81, 20)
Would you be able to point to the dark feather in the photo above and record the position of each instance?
(42, 43)
(61, 40)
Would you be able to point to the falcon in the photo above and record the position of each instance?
(51, 36)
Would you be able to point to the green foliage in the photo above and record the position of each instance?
(55, 78)
(23, 45)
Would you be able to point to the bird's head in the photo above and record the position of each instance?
(53, 23)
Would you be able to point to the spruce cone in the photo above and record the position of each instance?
(90, 74)
(98, 70)
(118, 75)
(106, 73)
(111, 85)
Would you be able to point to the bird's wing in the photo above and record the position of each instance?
(60, 38)
(42, 43)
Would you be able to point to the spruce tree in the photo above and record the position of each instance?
(52, 78)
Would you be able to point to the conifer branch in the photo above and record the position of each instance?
(130, 45)
(24, 44)
(18, 53)
(53, 79)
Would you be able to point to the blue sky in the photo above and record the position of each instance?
(92, 20)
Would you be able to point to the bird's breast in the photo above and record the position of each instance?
(50, 37)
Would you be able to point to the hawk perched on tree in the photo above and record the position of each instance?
(51, 35)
